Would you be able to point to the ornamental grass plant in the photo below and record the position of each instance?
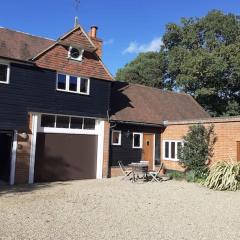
(224, 176)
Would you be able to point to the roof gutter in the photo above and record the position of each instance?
(138, 123)
(18, 60)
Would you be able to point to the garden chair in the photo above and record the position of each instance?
(126, 173)
(156, 174)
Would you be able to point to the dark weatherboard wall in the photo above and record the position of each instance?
(125, 152)
(32, 89)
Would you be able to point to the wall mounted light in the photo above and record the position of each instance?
(23, 135)
(128, 133)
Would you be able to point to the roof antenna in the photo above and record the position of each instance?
(76, 23)
(77, 5)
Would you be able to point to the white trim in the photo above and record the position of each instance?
(5, 63)
(141, 139)
(154, 142)
(175, 159)
(13, 159)
(36, 127)
(81, 51)
(100, 128)
(119, 138)
(67, 130)
(67, 84)
(35, 121)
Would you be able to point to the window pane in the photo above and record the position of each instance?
(166, 149)
(115, 137)
(172, 149)
(73, 83)
(48, 121)
(179, 145)
(84, 85)
(89, 123)
(62, 122)
(3, 73)
(136, 139)
(76, 123)
(61, 82)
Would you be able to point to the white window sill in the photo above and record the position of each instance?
(116, 144)
(4, 82)
(171, 159)
(66, 91)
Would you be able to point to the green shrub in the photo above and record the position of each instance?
(176, 175)
(223, 176)
(197, 149)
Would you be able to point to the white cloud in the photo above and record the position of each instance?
(135, 47)
(108, 42)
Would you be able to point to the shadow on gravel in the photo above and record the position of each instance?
(26, 188)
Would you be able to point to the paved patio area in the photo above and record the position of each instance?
(114, 209)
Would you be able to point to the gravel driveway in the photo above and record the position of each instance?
(114, 209)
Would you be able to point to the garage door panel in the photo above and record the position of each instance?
(61, 157)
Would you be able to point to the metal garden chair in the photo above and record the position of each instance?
(127, 173)
(156, 174)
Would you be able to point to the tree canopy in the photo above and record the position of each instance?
(200, 56)
(147, 69)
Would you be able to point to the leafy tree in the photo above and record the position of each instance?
(200, 56)
(198, 148)
(203, 56)
(147, 69)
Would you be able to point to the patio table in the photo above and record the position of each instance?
(137, 169)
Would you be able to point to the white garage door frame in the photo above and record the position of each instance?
(36, 128)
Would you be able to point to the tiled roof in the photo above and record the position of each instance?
(45, 52)
(21, 46)
(137, 103)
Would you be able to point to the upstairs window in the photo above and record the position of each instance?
(62, 82)
(75, 53)
(73, 84)
(137, 140)
(4, 73)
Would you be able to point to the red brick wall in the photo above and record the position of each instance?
(57, 59)
(106, 149)
(228, 133)
(23, 156)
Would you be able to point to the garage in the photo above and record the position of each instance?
(62, 157)
(6, 139)
(65, 148)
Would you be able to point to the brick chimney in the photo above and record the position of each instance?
(97, 42)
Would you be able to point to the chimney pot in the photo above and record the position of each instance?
(93, 32)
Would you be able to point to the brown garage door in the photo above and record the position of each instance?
(62, 157)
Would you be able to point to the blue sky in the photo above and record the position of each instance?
(126, 26)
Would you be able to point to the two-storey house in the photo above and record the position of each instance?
(54, 107)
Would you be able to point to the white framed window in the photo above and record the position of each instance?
(137, 140)
(73, 84)
(75, 53)
(4, 73)
(116, 137)
(67, 122)
(170, 149)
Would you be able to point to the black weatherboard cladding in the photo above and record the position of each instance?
(32, 89)
(125, 152)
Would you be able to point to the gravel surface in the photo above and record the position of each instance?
(115, 209)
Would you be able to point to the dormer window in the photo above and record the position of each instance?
(75, 53)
